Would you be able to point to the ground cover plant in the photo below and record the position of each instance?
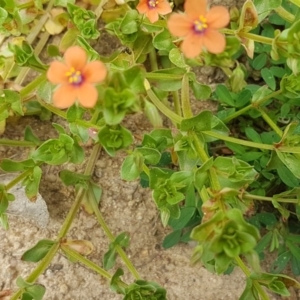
(228, 180)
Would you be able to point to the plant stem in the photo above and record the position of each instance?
(239, 141)
(284, 14)
(258, 287)
(185, 97)
(270, 121)
(13, 143)
(176, 102)
(111, 237)
(252, 105)
(32, 85)
(166, 111)
(74, 254)
(62, 114)
(76, 205)
(153, 59)
(215, 184)
(19, 178)
(41, 267)
(270, 199)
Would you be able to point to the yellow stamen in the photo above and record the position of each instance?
(74, 76)
(200, 24)
(152, 3)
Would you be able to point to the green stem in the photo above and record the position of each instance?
(258, 287)
(166, 111)
(252, 105)
(270, 121)
(44, 263)
(296, 2)
(79, 196)
(239, 141)
(32, 85)
(185, 97)
(19, 178)
(256, 38)
(111, 237)
(13, 143)
(41, 267)
(74, 254)
(63, 115)
(199, 147)
(153, 59)
(270, 199)
(284, 14)
(177, 107)
(146, 170)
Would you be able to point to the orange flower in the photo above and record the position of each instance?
(76, 78)
(153, 8)
(198, 27)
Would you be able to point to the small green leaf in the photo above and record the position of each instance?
(39, 251)
(131, 168)
(259, 61)
(268, 77)
(201, 122)
(73, 178)
(171, 239)
(224, 95)
(177, 58)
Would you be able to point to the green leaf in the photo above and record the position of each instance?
(291, 162)
(171, 239)
(186, 214)
(287, 177)
(252, 135)
(31, 137)
(163, 41)
(36, 291)
(281, 262)
(115, 282)
(224, 95)
(32, 183)
(201, 91)
(151, 156)
(269, 79)
(3, 15)
(109, 258)
(73, 178)
(250, 291)
(114, 138)
(131, 167)
(259, 61)
(201, 122)
(129, 23)
(4, 221)
(39, 251)
(177, 58)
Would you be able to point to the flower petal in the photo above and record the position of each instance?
(152, 15)
(75, 57)
(163, 8)
(64, 96)
(142, 7)
(87, 95)
(195, 8)
(57, 72)
(218, 17)
(214, 41)
(179, 25)
(192, 45)
(94, 72)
